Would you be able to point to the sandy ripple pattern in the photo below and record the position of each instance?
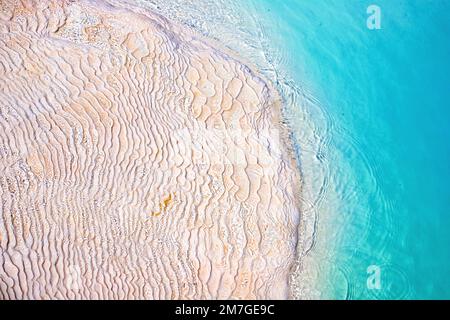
(138, 160)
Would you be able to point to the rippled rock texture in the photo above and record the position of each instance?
(137, 160)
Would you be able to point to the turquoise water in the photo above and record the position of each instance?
(386, 96)
(370, 112)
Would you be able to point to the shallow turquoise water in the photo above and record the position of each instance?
(370, 112)
(386, 96)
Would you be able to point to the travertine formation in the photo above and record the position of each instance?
(137, 160)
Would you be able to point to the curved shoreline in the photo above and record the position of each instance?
(223, 224)
(296, 274)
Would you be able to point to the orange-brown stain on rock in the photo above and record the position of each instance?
(164, 205)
